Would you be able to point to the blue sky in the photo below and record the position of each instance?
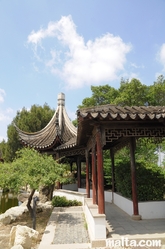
(48, 47)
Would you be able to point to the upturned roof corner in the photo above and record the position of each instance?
(58, 131)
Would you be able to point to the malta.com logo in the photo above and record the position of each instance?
(125, 242)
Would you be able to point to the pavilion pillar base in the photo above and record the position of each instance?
(136, 217)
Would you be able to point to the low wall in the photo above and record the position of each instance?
(70, 195)
(72, 187)
(125, 204)
(107, 194)
(152, 209)
(96, 223)
(147, 210)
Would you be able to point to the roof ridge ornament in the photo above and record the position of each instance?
(61, 99)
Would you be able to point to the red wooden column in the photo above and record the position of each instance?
(100, 175)
(87, 175)
(133, 178)
(79, 172)
(94, 175)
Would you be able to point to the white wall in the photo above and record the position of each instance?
(96, 222)
(152, 209)
(125, 204)
(147, 210)
(108, 196)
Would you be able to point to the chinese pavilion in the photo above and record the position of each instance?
(107, 127)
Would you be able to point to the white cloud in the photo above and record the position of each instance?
(4, 122)
(2, 95)
(9, 111)
(161, 55)
(6, 117)
(80, 63)
(137, 66)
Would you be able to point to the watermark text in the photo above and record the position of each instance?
(125, 242)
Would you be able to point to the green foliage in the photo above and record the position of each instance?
(101, 95)
(62, 201)
(121, 156)
(34, 119)
(2, 149)
(132, 93)
(156, 93)
(145, 150)
(75, 123)
(107, 169)
(31, 167)
(83, 175)
(150, 181)
(69, 177)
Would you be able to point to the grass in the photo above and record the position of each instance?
(85, 222)
(25, 220)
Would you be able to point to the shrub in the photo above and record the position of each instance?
(150, 181)
(62, 201)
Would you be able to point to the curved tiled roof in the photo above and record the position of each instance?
(68, 145)
(112, 112)
(116, 116)
(58, 131)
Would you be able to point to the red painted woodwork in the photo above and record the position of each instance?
(101, 203)
(94, 176)
(133, 177)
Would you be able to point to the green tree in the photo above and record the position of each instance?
(132, 93)
(31, 120)
(2, 148)
(101, 95)
(156, 93)
(34, 169)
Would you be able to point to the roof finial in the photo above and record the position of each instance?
(61, 99)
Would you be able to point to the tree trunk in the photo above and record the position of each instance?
(46, 193)
(29, 202)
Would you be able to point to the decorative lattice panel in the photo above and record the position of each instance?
(114, 134)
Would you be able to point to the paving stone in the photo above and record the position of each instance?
(71, 228)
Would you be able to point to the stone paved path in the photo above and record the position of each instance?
(70, 226)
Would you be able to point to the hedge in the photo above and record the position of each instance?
(150, 181)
